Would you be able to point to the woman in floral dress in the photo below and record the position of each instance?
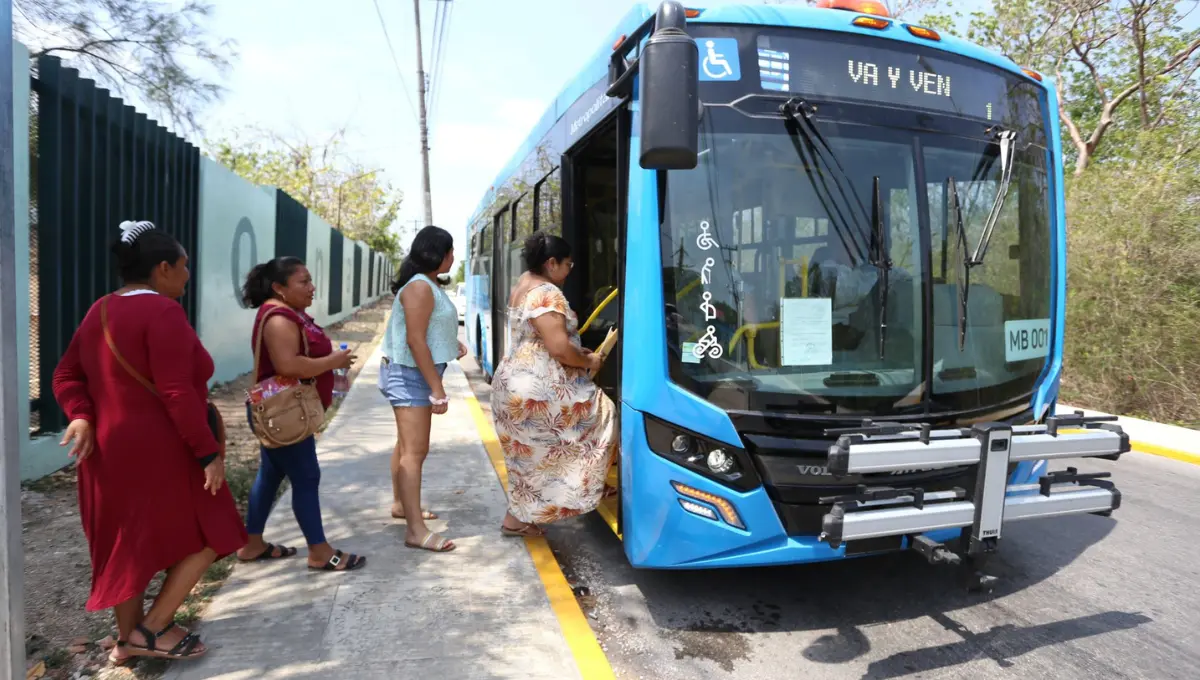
(557, 428)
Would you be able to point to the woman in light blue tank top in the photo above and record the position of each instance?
(420, 339)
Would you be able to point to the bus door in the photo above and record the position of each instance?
(595, 200)
(502, 271)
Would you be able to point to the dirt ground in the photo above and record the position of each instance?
(62, 639)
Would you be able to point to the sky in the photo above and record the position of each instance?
(307, 68)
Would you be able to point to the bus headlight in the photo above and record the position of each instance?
(718, 461)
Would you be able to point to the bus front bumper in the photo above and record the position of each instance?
(674, 518)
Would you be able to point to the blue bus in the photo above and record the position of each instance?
(833, 245)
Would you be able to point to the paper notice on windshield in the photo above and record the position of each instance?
(807, 331)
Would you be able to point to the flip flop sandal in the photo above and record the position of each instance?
(438, 545)
(184, 649)
(269, 554)
(425, 514)
(530, 530)
(352, 561)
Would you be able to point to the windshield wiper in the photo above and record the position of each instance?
(801, 128)
(967, 263)
(1007, 140)
(805, 136)
(879, 258)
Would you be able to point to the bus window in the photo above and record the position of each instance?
(485, 246)
(548, 194)
(524, 215)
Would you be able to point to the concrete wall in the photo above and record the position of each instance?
(237, 231)
(319, 232)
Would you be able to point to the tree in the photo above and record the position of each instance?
(348, 195)
(138, 46)
(1123, 67)
(460, 274)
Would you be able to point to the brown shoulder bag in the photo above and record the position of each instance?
(287, 416)
(213, 416)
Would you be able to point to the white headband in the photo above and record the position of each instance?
(130, 230)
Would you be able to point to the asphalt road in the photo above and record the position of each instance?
(1078, 597)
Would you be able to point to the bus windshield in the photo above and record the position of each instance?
(820, 258)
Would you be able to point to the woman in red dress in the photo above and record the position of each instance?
(152, 494)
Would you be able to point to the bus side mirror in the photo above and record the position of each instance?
(669, 83)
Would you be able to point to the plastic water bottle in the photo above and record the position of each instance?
(341, 379)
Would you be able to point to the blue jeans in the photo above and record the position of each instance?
(298, 463)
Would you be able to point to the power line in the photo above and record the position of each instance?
(441, 36)
(395, 61)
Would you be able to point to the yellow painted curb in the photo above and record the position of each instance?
(1156, 450)
(1153, 449)
(590, 659)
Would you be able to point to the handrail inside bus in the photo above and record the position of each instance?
(599, 308)
(751, 330)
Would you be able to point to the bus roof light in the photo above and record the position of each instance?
(1032, 74)
(692, 13)
(872, 22)
(926, 33)
(620, 41)
(861, 6)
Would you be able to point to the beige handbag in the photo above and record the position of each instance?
(283, 411)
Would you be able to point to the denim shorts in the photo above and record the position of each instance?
(404, 386)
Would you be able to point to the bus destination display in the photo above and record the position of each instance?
(861, 70)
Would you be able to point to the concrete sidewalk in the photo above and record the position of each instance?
(477, 612)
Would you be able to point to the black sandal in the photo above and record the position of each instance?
(185, 649)
(269, 554)
(353, 562)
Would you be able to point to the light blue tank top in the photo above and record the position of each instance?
(442, 334)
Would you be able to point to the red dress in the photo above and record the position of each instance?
(141, 491)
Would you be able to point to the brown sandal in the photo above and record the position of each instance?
(425, 514)
(529, 530)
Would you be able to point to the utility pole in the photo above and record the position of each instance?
(12, 566)
(424, 123)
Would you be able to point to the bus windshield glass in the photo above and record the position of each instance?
(816, 260)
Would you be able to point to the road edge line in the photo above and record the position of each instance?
(581, 639)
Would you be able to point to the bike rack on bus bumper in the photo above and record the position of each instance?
(981, 509)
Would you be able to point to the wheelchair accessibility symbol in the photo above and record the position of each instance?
(719, 59)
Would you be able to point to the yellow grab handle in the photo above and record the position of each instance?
(599, 308)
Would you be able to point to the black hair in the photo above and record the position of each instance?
(258, 287)
(427, 252)
(541, 247)
(140, 248)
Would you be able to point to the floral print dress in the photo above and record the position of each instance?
(557, 428)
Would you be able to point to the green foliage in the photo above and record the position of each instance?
(133, 46)
(354, 199)
(1122, 67)
(1133, 305)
